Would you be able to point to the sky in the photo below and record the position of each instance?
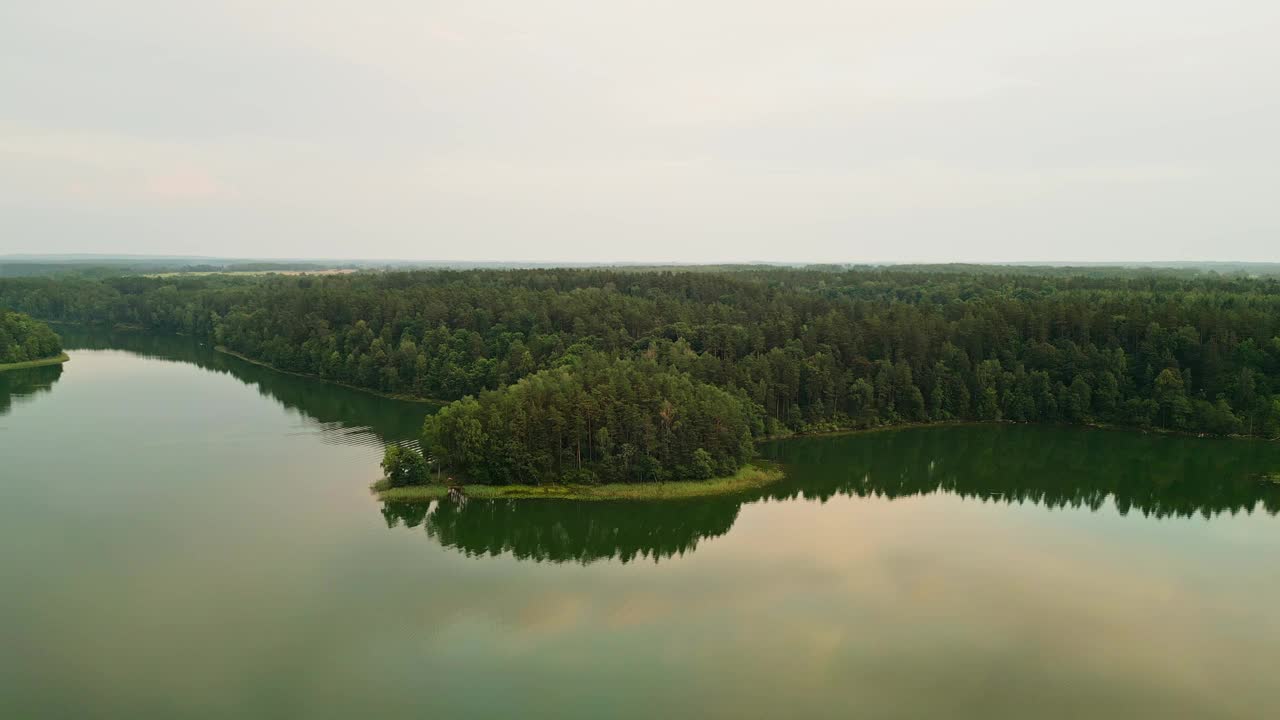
(655, 131)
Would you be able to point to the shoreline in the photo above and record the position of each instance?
(390, 396)
(42, 362)
(127, 327)
(403, 397)
(750, 476)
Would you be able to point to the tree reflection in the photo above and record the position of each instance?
(17, 386)
(1154, 476)
(341, 414)
(564, 531)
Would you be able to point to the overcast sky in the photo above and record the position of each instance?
(712, 130)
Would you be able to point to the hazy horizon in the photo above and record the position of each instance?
(374, 262)
(923, 131)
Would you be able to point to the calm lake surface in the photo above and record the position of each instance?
(189, 535)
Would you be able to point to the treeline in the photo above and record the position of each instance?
(813, 349)
(23, 338)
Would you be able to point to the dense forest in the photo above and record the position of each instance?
(23, 339)
(798, 350)
(593, 419)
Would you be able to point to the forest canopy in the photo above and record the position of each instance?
(800, 350)
(23, 339)
(596, 419)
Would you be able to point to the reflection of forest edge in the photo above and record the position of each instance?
(1156, 476)
(344, 415)
(563, 531)
(25, 384)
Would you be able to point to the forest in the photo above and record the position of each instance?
(604, 353)
(594, 418)
(23, 339)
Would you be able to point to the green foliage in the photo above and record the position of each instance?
(404, 466)
(702, 466)
(596, 419)
(1171, 396)
(806, 350)
(23, 339)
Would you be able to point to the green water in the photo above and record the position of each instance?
(189, 535)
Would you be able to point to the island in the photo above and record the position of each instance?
(594, 427)
(26, 342)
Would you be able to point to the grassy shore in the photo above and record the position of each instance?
(56, 360)
(749, 476)
(391, 396)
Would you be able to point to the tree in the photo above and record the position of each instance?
(988, 380)
(988, 405)
(404, 466)
(1273, 420)
(23, 338)
(1078, 399)
(1171, 397)
(862, 402)
(703, 465)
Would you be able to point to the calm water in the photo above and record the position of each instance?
(187, 535)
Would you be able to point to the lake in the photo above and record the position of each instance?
(190, 535)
